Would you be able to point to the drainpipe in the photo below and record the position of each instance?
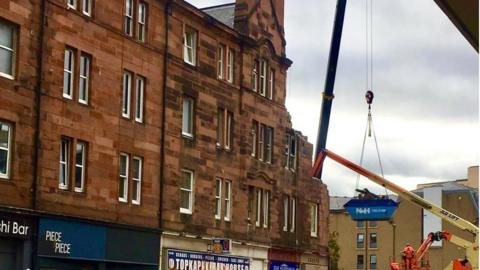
(168, 13)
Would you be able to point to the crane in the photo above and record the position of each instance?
(470, 247)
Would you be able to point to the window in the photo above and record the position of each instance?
(360, 224)
(258, 210)
(139, 99)
(84, 79)
(285, 213)
(228, 200)
(187, 117)
(261, 145)
(5, 149)
(220, 61)
(263, 77)
(373, 262)
(8, 33)
(64, 163)
(360, 263)
(128, 17)
(127, 85)
(373, 240)
(123, 181)
(271, 83)
(360, 240)
(268, 144)
(266, 208)
(190, 46)
(313, 219)
(80, 157)
(68, 71)
(137, 180)
(218, 198)
(224, 128)
(87, 7)
(255, 75)
(141, 19)
(186, 192)
(292, 223)
(230, 62)
(72, 4)
(291, 152)
(254, 138)
(372, 224)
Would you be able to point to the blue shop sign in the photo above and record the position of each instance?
(183, 260)
(371, 209)
(277, 265)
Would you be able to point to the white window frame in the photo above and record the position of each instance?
(228, 130)
(255, 75)
(129, 5)
(254, 138)
(84, 77)
(72, 4)
(218, 198)
(189, 33)
(187, 119)
(294, 209)
(268, 141)
(286, 207)
(228, 200)
(266, 208)
(65, 151)
(188, 210)
(81, 166)
(123, 177)
(261, 142)
(7, 149)
(258, 213)
(220, 60)
(358, 242)
(87, 7)
(139, 98)
(314, 220)
(141, 20)
(12, 50)
(230, 64)
(263, 77)
(271, 84)
(126, 93)
(68, 71)
(291, 156)
(137, 180)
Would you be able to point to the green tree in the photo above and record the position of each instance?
(333, 250)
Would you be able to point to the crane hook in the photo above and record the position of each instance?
(369, 97)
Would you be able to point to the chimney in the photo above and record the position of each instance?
(244, 17)
(472, 177)
(242, 8)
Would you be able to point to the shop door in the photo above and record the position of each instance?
(8, 255)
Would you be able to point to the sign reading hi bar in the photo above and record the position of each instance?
(186, 260)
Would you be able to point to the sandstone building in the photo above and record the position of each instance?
(150, 134)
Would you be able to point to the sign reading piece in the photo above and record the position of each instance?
(183, 260)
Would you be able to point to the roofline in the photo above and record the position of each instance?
(218, 6)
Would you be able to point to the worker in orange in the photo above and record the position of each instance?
(407, 255)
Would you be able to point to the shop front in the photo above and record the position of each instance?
(281, 259)
(314, 261)
(72, 245)
(195, 253)
(16, 233)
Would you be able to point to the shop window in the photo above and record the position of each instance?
(360, 262)
(373, 240)
(313, 219)
(186, 192)
(8, 40)
(137, 180)
(190, 46)
(360, 240)
(5, 149)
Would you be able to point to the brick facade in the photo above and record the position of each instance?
(257, 35)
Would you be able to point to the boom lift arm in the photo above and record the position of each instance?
(471, 247)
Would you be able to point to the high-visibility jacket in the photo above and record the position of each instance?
(408, 251)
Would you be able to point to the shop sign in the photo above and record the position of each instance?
(183, 260)
(15, 226)
(77, 240)
(221, 245)
(277, 265)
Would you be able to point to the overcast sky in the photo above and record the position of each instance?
(425, 80)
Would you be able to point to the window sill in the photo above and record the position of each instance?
(63, 188)
(67, 96)
(313, 235)
(185, 211)
(135, 202)
(122, 200)
(83, 102)
(79, 190)
(7, 76)
(187, 136)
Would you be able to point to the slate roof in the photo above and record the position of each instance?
(224, 13)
